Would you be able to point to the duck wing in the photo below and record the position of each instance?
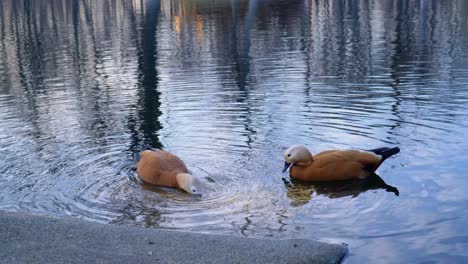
(339, 157)
(168, 162)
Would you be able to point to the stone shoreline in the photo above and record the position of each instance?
(27, 238)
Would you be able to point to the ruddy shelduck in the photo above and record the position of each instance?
(334, 165)
(159, 167)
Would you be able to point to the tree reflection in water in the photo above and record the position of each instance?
(300, 192)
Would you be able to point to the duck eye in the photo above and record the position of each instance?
(289, 155)
(194, 191)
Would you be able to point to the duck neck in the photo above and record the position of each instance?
(305, 159)
(304, 163)
(184, 180)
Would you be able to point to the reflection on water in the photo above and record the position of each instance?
(301, 193)
(228, 85)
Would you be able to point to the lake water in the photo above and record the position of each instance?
(228, 86)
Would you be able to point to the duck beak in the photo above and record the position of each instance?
(286, 166)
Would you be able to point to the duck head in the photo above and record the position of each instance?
(185, 181)
(297, 155)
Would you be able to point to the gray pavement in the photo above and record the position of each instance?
(26, 238)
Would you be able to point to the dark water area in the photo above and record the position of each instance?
(228, 86)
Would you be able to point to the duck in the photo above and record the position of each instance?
(334, 165)
(162, 168)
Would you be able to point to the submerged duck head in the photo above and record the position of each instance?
(297, 155)
(185, 181)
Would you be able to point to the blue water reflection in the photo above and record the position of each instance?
(228, 85)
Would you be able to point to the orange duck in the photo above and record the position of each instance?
(159, 167)
(334, 165)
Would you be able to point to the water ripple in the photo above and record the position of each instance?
(228, 87)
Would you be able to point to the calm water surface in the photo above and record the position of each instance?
(228, 85)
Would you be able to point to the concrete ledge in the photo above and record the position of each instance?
(26, 238)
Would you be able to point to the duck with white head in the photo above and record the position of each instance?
(162, 168)
(334, 165)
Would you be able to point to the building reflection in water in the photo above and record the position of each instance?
(85, 84)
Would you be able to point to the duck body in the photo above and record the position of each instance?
(162, 168)
(334, 165)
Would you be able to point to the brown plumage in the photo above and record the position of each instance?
(334, 165)
(159, 167)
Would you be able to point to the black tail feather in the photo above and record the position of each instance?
(385, 152)
(378, 150)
